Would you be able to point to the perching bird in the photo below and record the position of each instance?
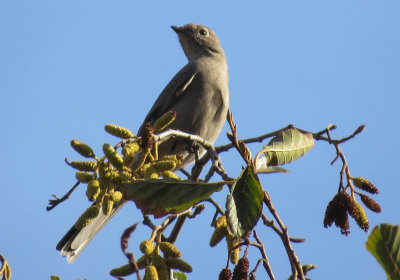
(200, 96)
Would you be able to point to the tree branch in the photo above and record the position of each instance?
(265, 261)
(294, 261)
(256, 139)
(54, 202)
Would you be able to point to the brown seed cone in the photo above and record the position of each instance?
(336, 211)
(342, 221)
(344, 204)
(348, 203)
(370, 203)
(147, 136)
(241, 269)
(225, 274)
(329, 214)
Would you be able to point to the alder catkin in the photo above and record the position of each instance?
(118, 131)
(82, 148)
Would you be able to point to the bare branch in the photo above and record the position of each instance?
(177, 229)
(216, 205)
(165, 135)
(294, 261)
(260, 138)
(218, 168)
(265, 261)
(271, 224)
(199, 164)
(54, 202)
(147, 221)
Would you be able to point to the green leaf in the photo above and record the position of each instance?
(384, 245)
(287, 146)
(160, 197)
(244, 203)
(179, 275)
(54, 277)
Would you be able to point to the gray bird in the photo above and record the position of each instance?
(198, 93)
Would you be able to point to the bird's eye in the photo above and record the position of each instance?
(203, 32)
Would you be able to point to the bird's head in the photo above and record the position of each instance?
(198, 40)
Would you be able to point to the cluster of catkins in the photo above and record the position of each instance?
(240, 272)
(155, 266)
(106, 177)
(221, 232)
(242, 265)
(342, 205)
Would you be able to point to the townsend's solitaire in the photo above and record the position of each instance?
(200, 96)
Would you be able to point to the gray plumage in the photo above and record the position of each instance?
(198, 93)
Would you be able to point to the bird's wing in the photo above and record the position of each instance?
(173, 91)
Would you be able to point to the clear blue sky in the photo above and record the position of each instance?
(67, 68)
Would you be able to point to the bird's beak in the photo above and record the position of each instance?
(177, 29)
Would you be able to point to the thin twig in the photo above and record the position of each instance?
(266, 264)
(187, 174)
(239, 145)
(253, 272)
(5, 269)
(216, 205)
(54, 202)
(246, 155)
(216, 167)
(167, 221)
(338, 141)
(271, 224)
(199, 163)
(260, 138)
(297, 270)
(344, 171)
(223, 148)
(177, 229)
(165, 135)
(147, 221)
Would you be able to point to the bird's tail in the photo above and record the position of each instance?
(74, 241)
